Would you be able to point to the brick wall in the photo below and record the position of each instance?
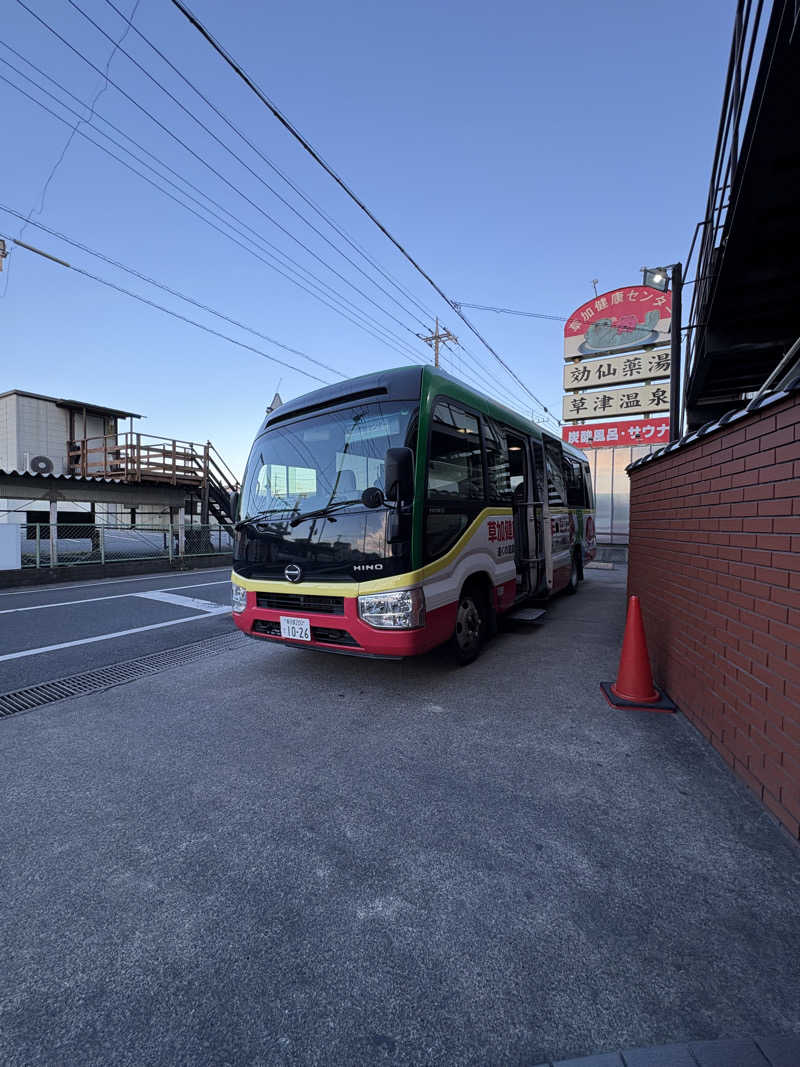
(715, 559)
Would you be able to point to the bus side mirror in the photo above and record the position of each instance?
(399, 475)
(233, 502)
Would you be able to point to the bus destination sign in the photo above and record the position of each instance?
(612, 434)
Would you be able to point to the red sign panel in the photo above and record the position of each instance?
(609, 434)
(631, 317)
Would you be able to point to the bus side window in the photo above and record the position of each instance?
(455, 463)
(497, 464)
(556, 493)
(455, 478)
(573, 478)
(587, 481)
(538, 467)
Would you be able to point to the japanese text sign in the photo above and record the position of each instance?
(610, 434)
(616, 370)
(605, 403)
(626, 318)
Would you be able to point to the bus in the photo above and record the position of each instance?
(392, 513)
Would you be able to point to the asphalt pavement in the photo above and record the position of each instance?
(35, 621)
(276, 856)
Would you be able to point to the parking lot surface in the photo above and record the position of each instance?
(279, 856)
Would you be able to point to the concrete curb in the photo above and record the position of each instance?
(778, 1051)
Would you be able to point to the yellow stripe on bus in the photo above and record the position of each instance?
(379, 585)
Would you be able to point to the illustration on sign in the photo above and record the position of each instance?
(640, 367)
(636, 401)
(611, 434)
(625, 318)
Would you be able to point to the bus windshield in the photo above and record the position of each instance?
(331, 458)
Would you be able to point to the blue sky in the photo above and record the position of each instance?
(517, 151)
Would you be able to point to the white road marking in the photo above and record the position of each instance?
(109, 637)
(102, 581)
(114, 596)
(180, 601)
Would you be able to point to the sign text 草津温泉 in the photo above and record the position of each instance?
(606, 403)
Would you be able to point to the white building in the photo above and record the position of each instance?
(37, 432)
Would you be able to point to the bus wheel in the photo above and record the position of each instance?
(470, 625)
(574, 575)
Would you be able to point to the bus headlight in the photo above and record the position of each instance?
(402, 609)
(238, 598)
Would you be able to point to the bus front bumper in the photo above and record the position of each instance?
(346, 632)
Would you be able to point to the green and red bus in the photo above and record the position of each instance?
(394, 512)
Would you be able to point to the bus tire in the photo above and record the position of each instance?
(575, 573)
(471, 624)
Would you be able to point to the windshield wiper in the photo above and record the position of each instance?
(260, 515)
(322, 512)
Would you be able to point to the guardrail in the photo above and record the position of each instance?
(103, 543)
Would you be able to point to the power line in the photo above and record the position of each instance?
(494, 387)
(173, 292)
(317, 283)
(511, 311)
(246, 248)
(218, 174)
(64, 150)
(167, 311)
(315, 155)
(292, 185)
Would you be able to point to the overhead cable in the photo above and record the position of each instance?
(315, 155)
(292, 185)
(317, 283)
(204, 162)
(511, 311)
(160, 307)
(173, 292)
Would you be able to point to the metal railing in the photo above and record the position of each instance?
(749, 35)
(69, 544)
(136, 457)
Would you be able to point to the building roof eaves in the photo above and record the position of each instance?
(60, 477)
(98, 409)
(731, 416)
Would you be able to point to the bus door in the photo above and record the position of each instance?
(558, 521)
(541, 561)
(519, 469)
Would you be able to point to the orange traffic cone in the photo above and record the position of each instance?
(634, 685)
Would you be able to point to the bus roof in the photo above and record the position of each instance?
(408, 383)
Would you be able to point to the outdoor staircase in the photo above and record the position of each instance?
(146, 459)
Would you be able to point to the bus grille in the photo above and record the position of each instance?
(324, 605)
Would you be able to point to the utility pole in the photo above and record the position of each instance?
(3, 252)
(435, 338)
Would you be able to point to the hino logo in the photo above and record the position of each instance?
(293, 573)
(367, 566)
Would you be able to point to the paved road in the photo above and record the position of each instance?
(32, 621)
(273, 856)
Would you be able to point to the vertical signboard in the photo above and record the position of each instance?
(616, 370)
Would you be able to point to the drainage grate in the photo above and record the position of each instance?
(116, 674)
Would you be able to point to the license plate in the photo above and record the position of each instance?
(296, 629)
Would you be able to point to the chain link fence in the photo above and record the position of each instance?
(95, 543)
